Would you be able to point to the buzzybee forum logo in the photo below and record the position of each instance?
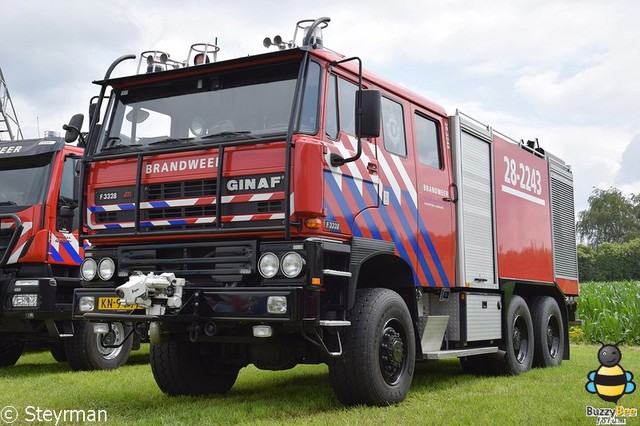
(610, 382)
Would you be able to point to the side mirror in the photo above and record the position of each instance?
(368, 126)
(66, 212)
(93, 104)
(73, 128)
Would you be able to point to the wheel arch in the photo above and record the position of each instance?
(384, 270)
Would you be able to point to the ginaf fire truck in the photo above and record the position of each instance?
(289, 207)
(40, 255)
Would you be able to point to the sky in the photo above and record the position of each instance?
(563, 71)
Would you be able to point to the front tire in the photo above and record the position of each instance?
(10, 351)
(379, 351)
(548, 331)
(185, 368)
(85, 350)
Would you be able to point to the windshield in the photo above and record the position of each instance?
(249, 103)
(23, 180)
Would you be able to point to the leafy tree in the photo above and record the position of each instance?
(611, 217)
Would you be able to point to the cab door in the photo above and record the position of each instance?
(436, 198)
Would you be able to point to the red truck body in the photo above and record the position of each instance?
(246, 216)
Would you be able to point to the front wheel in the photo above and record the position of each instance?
(379, 351)
(87, 350)
(185, 368)
(10, 351)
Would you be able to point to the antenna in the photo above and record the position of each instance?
(9, 126)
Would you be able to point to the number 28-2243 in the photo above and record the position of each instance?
(522, 176)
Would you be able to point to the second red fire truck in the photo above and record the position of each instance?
(290, 208)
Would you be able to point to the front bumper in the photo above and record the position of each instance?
(32, 298)
(221, 305)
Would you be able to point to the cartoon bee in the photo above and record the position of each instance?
(610, 381)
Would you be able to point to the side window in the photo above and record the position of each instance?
(393, 127)
(347, 106)
(66, 183)
(427, 141)
(331, 116)
(309, 113)
(341, 107)
(67, 212)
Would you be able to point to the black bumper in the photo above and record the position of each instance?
(221, 305)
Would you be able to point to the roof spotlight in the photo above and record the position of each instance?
(200, 59)
(267, 42)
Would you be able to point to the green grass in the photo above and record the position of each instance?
(610, 312)
(440, 395)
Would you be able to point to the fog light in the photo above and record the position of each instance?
(106, 269)
(100, 328)
(292, 264)
(86, 303)
(262, 331)
(25, 300)
(277, 304)
(268, 265)
(19, 283)
(88, 269)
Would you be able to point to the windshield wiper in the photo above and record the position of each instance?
(116, 143)
(8, 203)
(171, 140)
(227, 134)
(114, 147)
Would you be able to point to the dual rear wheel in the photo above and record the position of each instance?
(535, 337)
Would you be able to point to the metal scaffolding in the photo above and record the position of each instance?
(9, 126)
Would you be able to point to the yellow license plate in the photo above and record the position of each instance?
(113, 304)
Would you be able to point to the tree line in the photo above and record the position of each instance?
(609, 237)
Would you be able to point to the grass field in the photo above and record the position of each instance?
(440, 395)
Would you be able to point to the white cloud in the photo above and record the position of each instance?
(564, 72)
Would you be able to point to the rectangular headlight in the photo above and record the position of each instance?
(277, 304)
(20, 283)
(86, 303)
(25, 300)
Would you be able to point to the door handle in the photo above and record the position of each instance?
(372, 168)
(454, 190)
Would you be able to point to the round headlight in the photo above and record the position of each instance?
(89, 269)
(106, 268)
(268, 265)
(291, 264)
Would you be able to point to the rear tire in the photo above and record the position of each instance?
(85, 350)
(10, 351)
(185, 368)
(548, 331)
(379, 351)
(520, 338)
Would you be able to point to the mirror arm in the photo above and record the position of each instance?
(336, 159)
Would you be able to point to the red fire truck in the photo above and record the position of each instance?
(289, 208)
(40, 255)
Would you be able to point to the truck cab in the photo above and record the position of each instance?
(40, 252)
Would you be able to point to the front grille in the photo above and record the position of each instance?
(179, 212)
(163, 208)
(175, 190)
(207, 263)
